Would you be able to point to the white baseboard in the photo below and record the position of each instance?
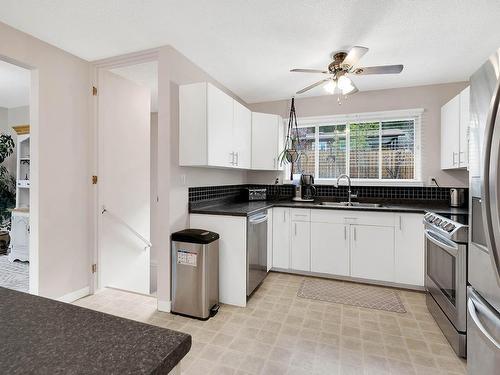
(164, 306)
(73, 296)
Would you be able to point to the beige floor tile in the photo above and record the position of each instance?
(280, 333)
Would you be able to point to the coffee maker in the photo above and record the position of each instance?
(305, 191)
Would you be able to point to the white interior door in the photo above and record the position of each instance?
(124, 183)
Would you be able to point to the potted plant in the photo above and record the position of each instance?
(291, 152)
(7, 191)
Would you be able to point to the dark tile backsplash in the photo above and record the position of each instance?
(198, 194)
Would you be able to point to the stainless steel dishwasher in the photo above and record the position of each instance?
(256, 250)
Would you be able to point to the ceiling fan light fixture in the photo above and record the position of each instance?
(345, 84)
(330, 86)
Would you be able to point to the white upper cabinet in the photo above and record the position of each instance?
(214, 129)
(265, 140)
(454, 132)
(463, 156)
(242, 135)
(219, 128)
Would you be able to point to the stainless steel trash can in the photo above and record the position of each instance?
(195, 273)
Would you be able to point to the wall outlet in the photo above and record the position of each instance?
(431, 181)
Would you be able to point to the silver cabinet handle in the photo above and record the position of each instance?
(232, 158)
(471, 307)
(354, 233)
(237, 158)
(345, 232)
(295, 224)
(284, 216)
(454, 157)
(400, 224)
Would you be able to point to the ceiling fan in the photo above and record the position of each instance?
(338, 71)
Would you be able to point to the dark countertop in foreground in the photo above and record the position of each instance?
(43, 336)
(233, 208)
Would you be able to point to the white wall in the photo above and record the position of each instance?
(59, 206)
(19, 115)
(431, 98)
(174, 69)
(153, 202)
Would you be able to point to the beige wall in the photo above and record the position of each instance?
(59, 205)
(431, 98)
(174, 69)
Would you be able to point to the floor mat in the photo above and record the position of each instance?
(14, 275)
(348, 293)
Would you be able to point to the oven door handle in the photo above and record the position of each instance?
(434, 238)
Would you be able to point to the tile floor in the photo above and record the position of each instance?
(280, 333)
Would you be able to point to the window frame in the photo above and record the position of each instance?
(381, 116)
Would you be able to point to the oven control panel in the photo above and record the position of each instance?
(451, 229)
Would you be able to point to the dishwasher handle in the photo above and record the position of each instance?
(257, 219)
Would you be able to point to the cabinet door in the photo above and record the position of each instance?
(264, 141)
(281, 142)
(409, 249)
(450, 134)
(219, 128)
(372, 252)
(330, 248)
(242, 135)
(19, 233)
(281, 237)
(301, 246)
(463, 155)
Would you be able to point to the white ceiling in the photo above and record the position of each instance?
(14, 86)
(250, 45)
(145, 74)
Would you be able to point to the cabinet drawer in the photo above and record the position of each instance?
(301, 214)
(345, 216)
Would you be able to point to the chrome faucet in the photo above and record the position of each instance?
(349, 188)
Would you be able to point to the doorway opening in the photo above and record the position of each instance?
(16, 256)
(127, 124)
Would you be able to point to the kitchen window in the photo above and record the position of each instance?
(373, 148)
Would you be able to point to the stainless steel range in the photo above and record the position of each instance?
(446, 239)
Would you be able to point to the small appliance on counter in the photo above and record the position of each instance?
(457, 197)
(254, 194)
(305, 191)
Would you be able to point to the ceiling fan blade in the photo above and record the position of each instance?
(312, 86)
(309, 71)
(384, 69)
(355, 53)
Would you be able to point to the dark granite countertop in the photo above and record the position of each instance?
(235, 208)
(43, 336)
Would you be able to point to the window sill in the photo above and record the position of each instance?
(366, 182)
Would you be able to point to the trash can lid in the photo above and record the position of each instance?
(200, 236)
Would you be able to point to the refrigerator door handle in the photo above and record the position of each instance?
(472, 305)
(490, 188)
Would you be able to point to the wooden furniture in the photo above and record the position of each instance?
(20, 217)
(454, 131)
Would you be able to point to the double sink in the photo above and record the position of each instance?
(350, 204)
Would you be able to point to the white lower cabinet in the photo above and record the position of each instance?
(281, 237)
(300, 257)
(372, 252)
(378, 246)
(330, 248)
(409, 256)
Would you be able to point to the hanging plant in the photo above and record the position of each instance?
(291, 153)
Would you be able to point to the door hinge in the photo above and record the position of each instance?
(94, 91)
(94, 268)
(94, 180)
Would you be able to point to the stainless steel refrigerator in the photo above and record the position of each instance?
(483, 303)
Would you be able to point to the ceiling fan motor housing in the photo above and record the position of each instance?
(336, 65)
